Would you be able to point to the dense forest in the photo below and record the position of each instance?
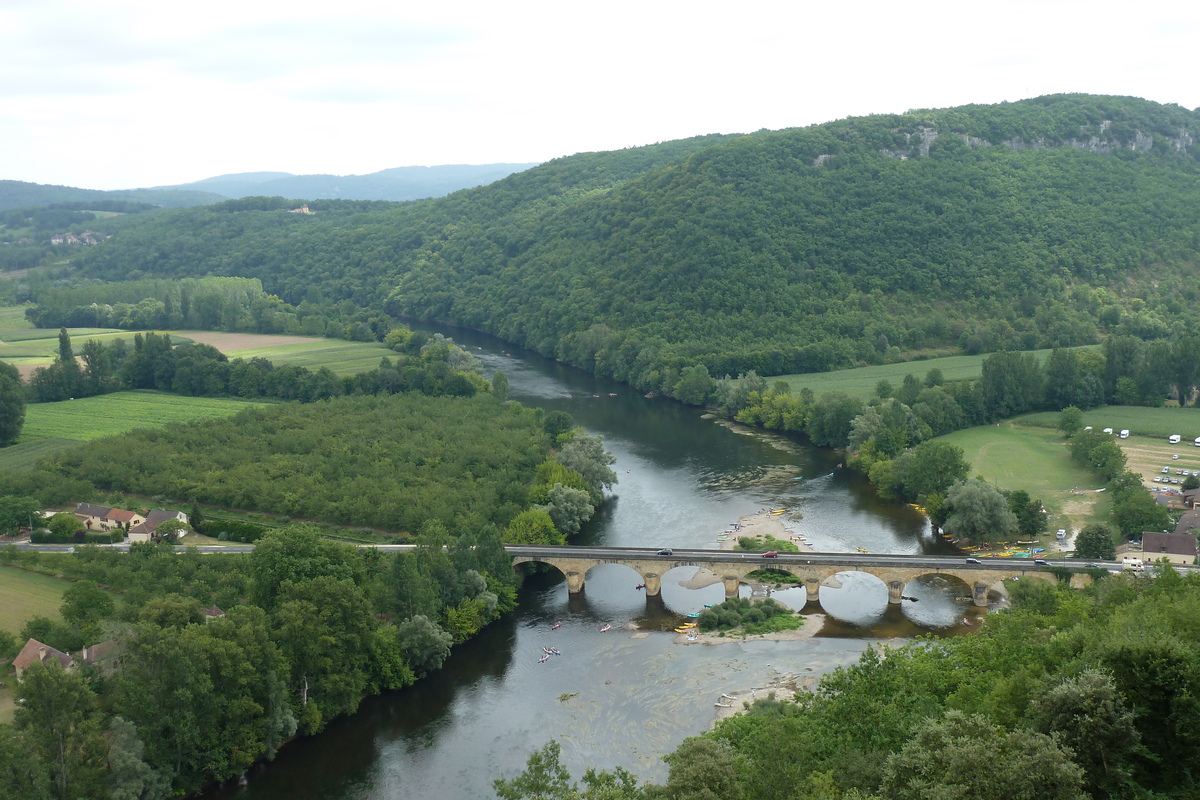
(1052, 221)
(1072, 694)
(309, 627)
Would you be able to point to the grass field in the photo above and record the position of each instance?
(861, 382)
(342, 357)
(1138, 420)
(25, 455)
(25, 595)
(1036, 460)
(92, 417)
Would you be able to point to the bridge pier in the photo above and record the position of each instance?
(813, 587)
(732, 582)
(574, 582)
(979, 594)
(653, 584)
(895, 592)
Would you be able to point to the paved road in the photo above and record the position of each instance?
(689, 556)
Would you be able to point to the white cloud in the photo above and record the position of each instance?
(132, 92)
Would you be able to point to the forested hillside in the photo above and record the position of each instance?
(1043, 222)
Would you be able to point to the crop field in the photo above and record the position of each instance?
(25, 595)
(90, 418)
(860, 382)
(1036, 460)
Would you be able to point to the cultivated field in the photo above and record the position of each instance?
(90, 418)
(1138, 420)
(861, 382)
(1036, 460)
(25, 455)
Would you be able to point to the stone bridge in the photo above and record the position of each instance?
(812, 570)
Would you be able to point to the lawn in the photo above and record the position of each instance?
(90, 418)
(1036, 460)
(860, 382)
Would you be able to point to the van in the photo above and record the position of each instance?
(1125, 434)
(1062, 534)
(1198, 441)
(1109, 431)
(1174, 438)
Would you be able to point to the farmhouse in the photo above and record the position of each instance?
(102, 656)
(34, 652)
(144, 531)
(101, 518)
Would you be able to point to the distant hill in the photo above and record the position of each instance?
(19, 194)
(1055, 220)
(397, 184)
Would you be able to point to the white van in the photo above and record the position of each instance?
(1198, 441)
(1174, 438)
(1108, 430)
(1125, 434)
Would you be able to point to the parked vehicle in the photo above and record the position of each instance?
(1108, 431)
(1125, 433)
(1174, 438)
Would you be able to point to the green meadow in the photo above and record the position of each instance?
(860, 382)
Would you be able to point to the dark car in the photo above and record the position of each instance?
(771, 554)
(1041, 561)
(1090, 565)
(974, 561)
(666, 551)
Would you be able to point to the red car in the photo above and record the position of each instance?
(771, 554)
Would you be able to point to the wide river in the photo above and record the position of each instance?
(620, 698)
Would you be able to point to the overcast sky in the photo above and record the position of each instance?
(111, 94)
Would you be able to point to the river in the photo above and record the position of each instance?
(632, 694)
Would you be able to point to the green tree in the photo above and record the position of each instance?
(701, 768)
(1095, 541)
(945, 761)
(978, 512)
(533, 527)
(500, 386)
(12, 404)
(65, 525)
(586, 455)
(931, 468)
(544, 778)
(568, 508)
(170, 530)
(84, 604)
(61, 724)
(424, 643)
(17, 512)
(129, 776)
(1088, 714)
(1070, 420)
(22, 773)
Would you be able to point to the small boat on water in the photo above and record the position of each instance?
(862, 549)
(607, 627)
(545, 656)
(640, 586)
(708, 605)
(775, 512)
(693, 615)
(556, 626)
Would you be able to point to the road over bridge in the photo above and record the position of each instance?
(810, 569)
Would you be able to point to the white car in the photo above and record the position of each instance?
(1166, 470)
(1157, 478)
(1108, 430)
